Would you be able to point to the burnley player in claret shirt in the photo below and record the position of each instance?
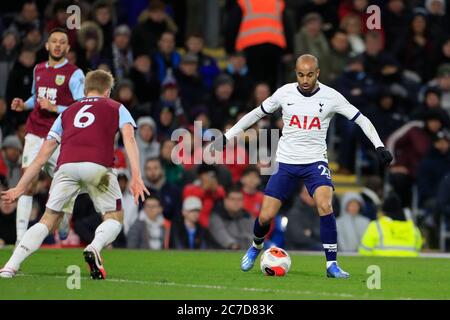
(86, 132)
(56, 85)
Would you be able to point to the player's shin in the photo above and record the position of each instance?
(259, 232)
(24, 208)
(106, 233)
(31, 241)
(328, 236)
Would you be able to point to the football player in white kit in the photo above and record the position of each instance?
(307, 109)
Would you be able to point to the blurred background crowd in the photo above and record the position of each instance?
(178, 61)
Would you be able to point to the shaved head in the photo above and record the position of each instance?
(307, 72)
(308, 59)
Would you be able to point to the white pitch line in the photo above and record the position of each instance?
(206, 286)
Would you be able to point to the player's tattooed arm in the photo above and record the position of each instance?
(47, 149)
(137, 187)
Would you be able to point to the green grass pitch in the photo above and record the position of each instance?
(206, 275)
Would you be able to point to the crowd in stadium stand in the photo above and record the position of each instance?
(398, 76)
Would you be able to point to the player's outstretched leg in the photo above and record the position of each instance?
(259, 231)
(31, 241)
(105, 234)
(270, 207)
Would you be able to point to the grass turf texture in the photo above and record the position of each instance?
(216, 275)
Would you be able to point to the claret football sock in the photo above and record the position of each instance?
(31, 241)
(106, 233)
(328, 235)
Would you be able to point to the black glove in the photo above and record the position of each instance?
(219, 143)
(384, 155)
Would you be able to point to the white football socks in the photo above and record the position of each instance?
(106, 233)
(23, 213)
(31, 241)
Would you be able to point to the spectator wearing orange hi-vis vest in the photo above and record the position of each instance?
(260, 30)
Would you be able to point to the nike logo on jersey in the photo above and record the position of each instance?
(290, 104)
(306, 124)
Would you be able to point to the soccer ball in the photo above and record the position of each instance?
(275, 262)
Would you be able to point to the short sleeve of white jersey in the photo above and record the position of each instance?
(345, 108)
(272, 103)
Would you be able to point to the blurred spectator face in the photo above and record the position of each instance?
(170, 93)
(352, 24)
(418, 24)
(446, 49)
(353, 208)
(72, 57)
(152, 208)
(314, 27)
(121, 41)
(146, 132)
(444, 82)
(91, 44)
(29, 12)
(153, 171)
(191, 215)
(166, 43)
(126, 95)
(262, 92)
(204, 119)
(238, 62)
(340, 42)
(189, 68)
(442, 145)
(61, 17)
(58, 45)
(234, 202)
(143, 63)
(209, 181)
(434, 125)
(374, 43)
(9, 42)
(157, 15)
(224, 91)
(251, 181)
(432, 100)
(360, 5)
(12, 154)
(27, 58)
(437, 8)
(166, 117)
(103, 15)
(33, 37)
(396, 6)
(306, 198)
(166, 150)
(194, 44)
(386, 102)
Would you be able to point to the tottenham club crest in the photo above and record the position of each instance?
(60, 79)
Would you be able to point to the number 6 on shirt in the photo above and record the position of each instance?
(82, 114)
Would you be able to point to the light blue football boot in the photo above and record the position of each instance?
(333, 271)
(249, 259)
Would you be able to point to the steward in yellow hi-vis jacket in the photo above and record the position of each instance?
(391, 235)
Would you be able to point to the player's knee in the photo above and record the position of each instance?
(116, 215)
(324, 207)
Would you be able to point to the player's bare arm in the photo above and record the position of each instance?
(31, 172)
(137, 187)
